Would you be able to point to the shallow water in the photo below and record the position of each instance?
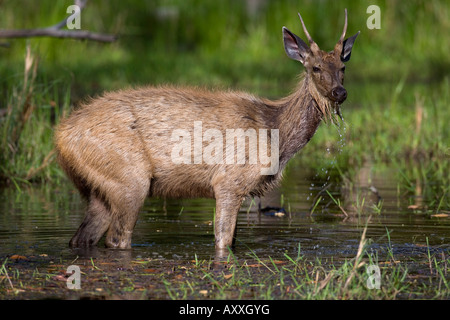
(41, 220)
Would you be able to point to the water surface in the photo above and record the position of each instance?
(40, 220)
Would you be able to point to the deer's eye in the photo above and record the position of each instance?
(316, 69)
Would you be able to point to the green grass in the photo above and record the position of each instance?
(220, 43)
(33, 107)
(302, 278)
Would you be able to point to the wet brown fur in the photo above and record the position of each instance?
(117, 151)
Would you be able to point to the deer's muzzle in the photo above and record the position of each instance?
(338, 94)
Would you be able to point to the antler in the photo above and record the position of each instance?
(345, 28)
(313, 46)
(305, 30)
(339, 44)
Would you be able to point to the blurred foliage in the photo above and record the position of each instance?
(225, 43)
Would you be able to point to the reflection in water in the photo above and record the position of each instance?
(359, 191)
(41, 220)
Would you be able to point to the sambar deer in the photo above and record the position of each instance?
(127, 145)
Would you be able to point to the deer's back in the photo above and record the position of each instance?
(136, 127)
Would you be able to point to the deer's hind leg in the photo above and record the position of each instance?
(113, 208)
(125, 209)
(96, 221)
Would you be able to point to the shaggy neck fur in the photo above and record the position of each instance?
(304, 108)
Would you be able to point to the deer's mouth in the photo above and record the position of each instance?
(337, 109)
(338, 95)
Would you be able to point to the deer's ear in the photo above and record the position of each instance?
(347, 48)
(295, 47)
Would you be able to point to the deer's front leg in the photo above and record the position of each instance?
(227, 208)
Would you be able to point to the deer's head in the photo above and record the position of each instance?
(324, 69)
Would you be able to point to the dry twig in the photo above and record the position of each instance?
(358, 264)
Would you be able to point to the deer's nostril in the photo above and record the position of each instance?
(339, 94)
